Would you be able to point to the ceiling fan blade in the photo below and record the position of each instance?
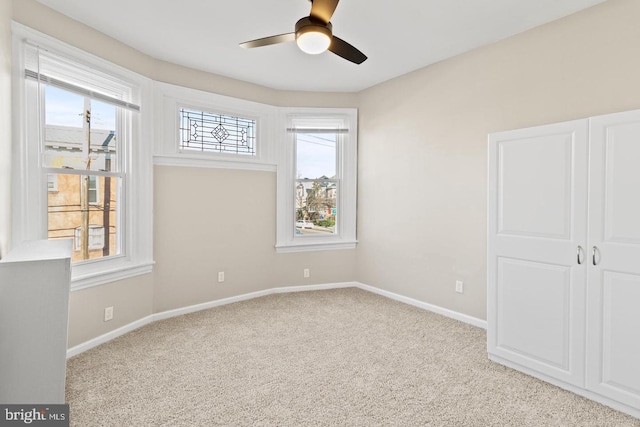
(266, 41)
(345, 50)
(323, 9)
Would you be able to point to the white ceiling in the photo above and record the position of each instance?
(398, 36)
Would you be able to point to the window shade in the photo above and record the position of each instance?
(56, 70)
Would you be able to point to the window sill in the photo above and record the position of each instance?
(308, 247)
(88, 280)
(203, 161)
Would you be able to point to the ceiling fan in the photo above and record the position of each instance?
(314, 34)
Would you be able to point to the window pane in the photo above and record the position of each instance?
(72, 141)
(217, 133)
(316, 155)
(103, 116)
(316, 208)
(103, 136)
(63, 108)
(94, 227)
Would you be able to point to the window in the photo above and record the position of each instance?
(217, 133)
(203, 129)
(317, 180)
(80, 135)
(89, 171)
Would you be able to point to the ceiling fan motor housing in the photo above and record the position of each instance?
(309, 23)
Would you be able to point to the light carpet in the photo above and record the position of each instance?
(343, 357)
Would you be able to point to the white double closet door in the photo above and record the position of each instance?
(564, 252)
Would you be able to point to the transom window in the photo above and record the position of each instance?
(216, 133)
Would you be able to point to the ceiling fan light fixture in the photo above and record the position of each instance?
(313, 37)
(313, 42)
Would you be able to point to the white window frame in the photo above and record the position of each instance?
(171, 98)
(344, 237)
(29, 187)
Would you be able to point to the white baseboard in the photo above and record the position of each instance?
(73, 351)
(426, 306)
(94, 342)
(216, 303)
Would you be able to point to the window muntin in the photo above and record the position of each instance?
(207, 132)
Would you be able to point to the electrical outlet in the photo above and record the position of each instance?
(108, 313)
(305, 273)
(459, 286)
(220, 276)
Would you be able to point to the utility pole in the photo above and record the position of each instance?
(84, 183)
(106, 209)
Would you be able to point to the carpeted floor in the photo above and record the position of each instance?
(342, 357)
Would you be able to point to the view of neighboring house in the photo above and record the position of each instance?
(82, 207)
(316, 202)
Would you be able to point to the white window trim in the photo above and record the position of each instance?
(171, 98)
(345, 237)
(29, 199)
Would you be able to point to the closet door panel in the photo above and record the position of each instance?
(613, 298)
(534, 320)
(533, 201)
(620, 343)
(537, 220)
(621, 182)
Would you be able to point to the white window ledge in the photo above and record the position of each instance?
(308, 247)
(89, 280)
(201, 161)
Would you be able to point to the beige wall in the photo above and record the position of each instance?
(423, 140)
(132, 300)
(211, 220)
(5, 125)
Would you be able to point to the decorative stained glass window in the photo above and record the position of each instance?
(217, 133)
